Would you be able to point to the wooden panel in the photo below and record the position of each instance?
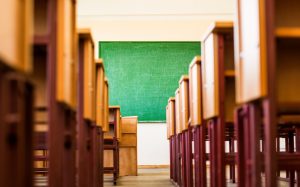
(89, 91)
(99, 93)
(250, 60)
(184, 99)
(171, 110)
(108, 158)
(287, 13)
(128, 161)
(177, 112)
(210, 77)
(114, 117)
(129, 124)
(16, 18)
(288, 68)
(105, 127)
(230, 102)
(66, 52)
(38, 77)
(41, 24)
(128, 140)
(195, 90)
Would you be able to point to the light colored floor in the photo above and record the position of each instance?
(146, 177)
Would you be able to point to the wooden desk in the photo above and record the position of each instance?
(128, 146)
(267, 45)
(90, 138)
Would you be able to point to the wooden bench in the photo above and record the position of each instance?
(267, 73)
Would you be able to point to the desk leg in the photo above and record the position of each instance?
(200, 156)
(16, 131)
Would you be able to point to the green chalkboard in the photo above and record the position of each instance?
(143, 75)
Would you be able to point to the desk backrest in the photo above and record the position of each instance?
(16, 20)
(195, 89)
(171, 116)
(105, 126)
(210, 76)
(167, 121)
(99, 92)
(250, 51)
(66, 53)
(129, 131)
(89, 78)
(184, 99)
(114, 117)
(177, 112)
(217, 57)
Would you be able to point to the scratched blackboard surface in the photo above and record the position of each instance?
(143, 75)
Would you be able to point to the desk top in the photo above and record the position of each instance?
(218, 26)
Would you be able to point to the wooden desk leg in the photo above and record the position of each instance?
(69, 149)
(174, 157)
(16, 131)
(183, 159)
(291, 150)
(189, 158)
(178, 159)
(232, 166)
(101, 150)
(240, 157)
(217, 153)
(171, 159)
(200, 156)
(298, 150)
(270, 156)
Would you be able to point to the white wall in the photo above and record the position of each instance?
(153, 146)
(151, 20)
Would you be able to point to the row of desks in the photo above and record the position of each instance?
(243, 89)
(54, 96)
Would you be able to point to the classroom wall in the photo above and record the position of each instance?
(153, 146)
(155, 20)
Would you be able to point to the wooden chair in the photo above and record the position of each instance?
(196, 122)
(218, 80)
(170, 120)
(16, 98)
(112, 139)
(267, 73)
